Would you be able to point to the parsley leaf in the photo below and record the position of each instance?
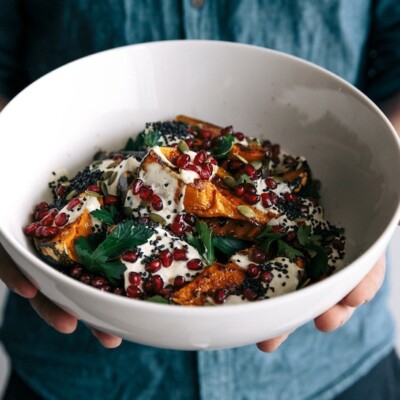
(152, 138)
(157, 299)
(203, 244)
(229, 246)
(244, 179)
(223, 146)
(283, 249)
(106, 216)
(103, 259)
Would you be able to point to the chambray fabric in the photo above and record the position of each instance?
(357, 39)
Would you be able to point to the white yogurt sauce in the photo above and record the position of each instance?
(162, 240)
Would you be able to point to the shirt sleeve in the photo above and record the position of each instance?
(383, 65)
(11, 27)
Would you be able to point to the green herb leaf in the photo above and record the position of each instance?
(205, 233)
(152, 138)
(136, 144)
(268, 233)
(244, 179)
(203, 244)
(106, 216)
(223, 146)
(229, 246)
(319, 262)
(285, 250)
(103, 258)
(157, 299)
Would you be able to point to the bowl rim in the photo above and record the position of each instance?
(30, 257)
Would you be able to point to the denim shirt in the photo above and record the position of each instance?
(356, 39)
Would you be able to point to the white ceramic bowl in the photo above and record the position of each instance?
(99, 101)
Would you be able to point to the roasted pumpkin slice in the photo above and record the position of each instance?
(237, 229)
(217, 276)
(204, 198)
(60, 250)
(249, 153)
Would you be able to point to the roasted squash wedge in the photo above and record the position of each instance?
(217, 276)
(60, 250)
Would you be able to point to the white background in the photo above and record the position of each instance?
(394, 277)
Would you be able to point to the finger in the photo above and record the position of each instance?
(271, 345)
(53, 315)
(13, 278)
(368, 287)
(107, 340)
(334, 318)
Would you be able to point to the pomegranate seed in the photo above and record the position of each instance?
(156, 202)
(204, 133)
(208, 167)
(93, 188)
(166, 258)
(85, 278)
(119, 291)
(179, 282)
(30, 229)
(190, 219)
(195, 264)
(220, 296)
(136, 185)
(206, 145)
(98, 281)
(47, 220)
(275, 149)
(200, 157)
(189, 142)
(133, 291)
(53, 212)
(205, 175)
(249, 170)
(257, 255)
(266, 276)
(76, 272)
(278, 229)
(61, 219)
(38, 232)
(118, 157)
(110, 200)
(249, 188)
(266, 200)
(291, 198)
(176, 228)
(252, 198)
(39, 215)
(145, 192)
(252, 270)
(235, 165)
(157, 283)
(73, 203)
(130, 256)
(183, 161)
(191, 167)
(41, 206)
(271, 184)
(239, 190)
(61, 189)
(249, 294)
(134, 278)
(290, 236)
(212, 161)
(239, 136)
(180, 254)
(147, 286)
(154, 265)
(49, 232)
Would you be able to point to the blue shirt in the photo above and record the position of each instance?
(357, 39)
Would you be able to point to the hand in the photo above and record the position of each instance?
(336, 316)
(48, 311)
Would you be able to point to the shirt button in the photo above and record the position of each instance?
(198, 3)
